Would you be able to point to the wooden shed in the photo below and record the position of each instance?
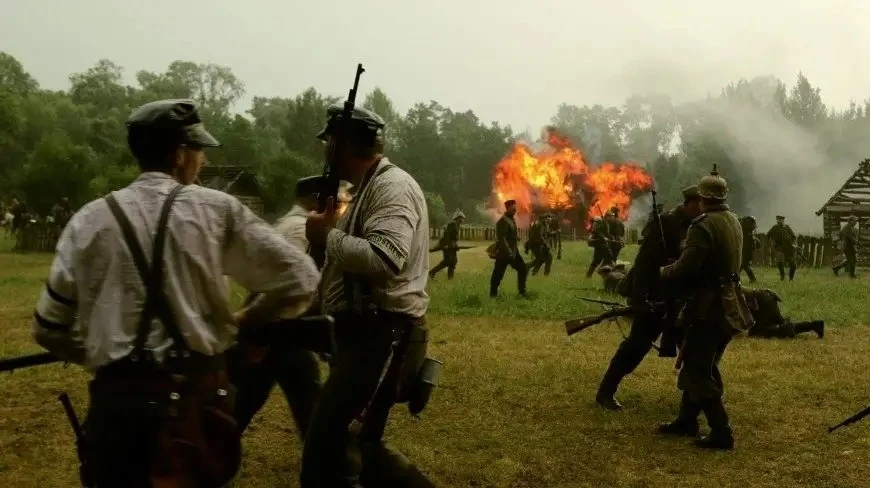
(853, 198)
(239, 181)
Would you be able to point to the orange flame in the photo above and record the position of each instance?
(344, 198)
(558, 177)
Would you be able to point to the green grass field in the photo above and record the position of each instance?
(515, 407)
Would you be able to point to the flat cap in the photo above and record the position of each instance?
(363, 120)
(508, 203)
(690, 192)
(780, 217)
(308, 186)
(171, 115)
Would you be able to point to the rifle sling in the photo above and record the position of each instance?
(156, 304)
(356, 289)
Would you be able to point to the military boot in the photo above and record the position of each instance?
(607, 389)
(791, 272)
(817, 326)
(686, 423)
(720, 436)
(781, 273)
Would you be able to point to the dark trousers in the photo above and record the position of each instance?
(645, 329)
(700, 378)
(849, 263)
(543, 257)
(449, 260)
(333, 456)
(501, 265)
(746, 267)
(785, 330)
(122, 436)
(615, 249)
(783, 259)
(600, 255)
(297, 373)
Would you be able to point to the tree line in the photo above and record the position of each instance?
(72, 142)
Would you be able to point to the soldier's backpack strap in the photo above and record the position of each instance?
(156, 304)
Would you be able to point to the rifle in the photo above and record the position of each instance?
(334, 155)
(573, 326)
(658, 219)
(20, 362)
(797, 251)
(459, 248)
(602, 302)
(608, 239)
(85, 474)
(310, 333)
(851, 420)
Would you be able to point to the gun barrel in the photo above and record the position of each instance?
(11, 364)
(851, 420)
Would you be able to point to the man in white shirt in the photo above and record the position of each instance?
(292, 224)
(151, 318)
(264, 357)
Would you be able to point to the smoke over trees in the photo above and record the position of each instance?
(780, 147)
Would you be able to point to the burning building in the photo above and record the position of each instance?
(555, 176)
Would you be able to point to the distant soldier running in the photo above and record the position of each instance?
(782, 238)
(449, 244)
(750, 244)
(599, 241)
(616, 230)
(539, 245)
(505, 251)
(849, 241)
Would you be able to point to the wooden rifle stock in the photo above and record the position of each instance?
(573, 326)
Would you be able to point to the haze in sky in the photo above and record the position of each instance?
(508, 60)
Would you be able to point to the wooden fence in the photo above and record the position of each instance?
(37, 237)
(819, 252)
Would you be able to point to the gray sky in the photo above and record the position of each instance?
(507, 60)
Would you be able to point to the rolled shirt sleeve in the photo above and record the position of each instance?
(388, 230)
(260, 259)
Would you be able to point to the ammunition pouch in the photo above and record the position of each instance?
(492, 250)
(738, 315)
(419, 374)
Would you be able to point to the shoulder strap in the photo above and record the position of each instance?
(152, 277)
(356, 221)
(356, 288)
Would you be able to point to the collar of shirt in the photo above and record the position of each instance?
(152, 177)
